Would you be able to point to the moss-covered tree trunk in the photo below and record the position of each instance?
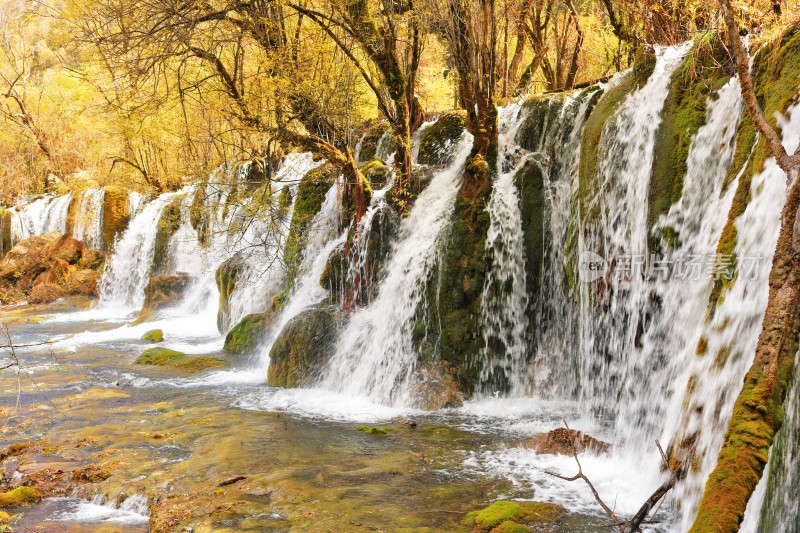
(758, 413)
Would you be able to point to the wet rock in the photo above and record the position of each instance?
(116, 214)
(373, 131)
(225, 277)
(92, 259)
(561, 440)
(168, 225)
(501, 512)
(159, 356)
(164, 291)
(91, 474)
(436, 388)
(302, 348)
(436, 142)
(377, 173)
(45, 293)
(19, 497)
(51, 260)
(248, 334)
(154, 335)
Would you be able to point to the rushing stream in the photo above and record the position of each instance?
(618, 357)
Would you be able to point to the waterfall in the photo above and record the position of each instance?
(624, 161)
(374, 354)
(39, 217)
(89, 218)
(504, 301)
(307, 291)
(128, 269)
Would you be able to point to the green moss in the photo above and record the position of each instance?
(776, 76)
(534, 513)
(19, 497)
(198, 364)
(704, 71)
(5, 518)
(377, 173)
(437, 140)
(245, 336)
(302, 348)
(511, 527)
(159, 356)
(198, 217)
(116, 214)
(310, 196)
(374, 430)
(168, 225)
(154, 335)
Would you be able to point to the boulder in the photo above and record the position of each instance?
(19, 496)
(166, 290)
(84, 282)
(226, 276)
(45, 293)
(168, 225)
(560, 441)
(154, 335)
(245, 336)
(186, 363)
(302, 348)
(377, 173)
(507, 515)
(436, 142)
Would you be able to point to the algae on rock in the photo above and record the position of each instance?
(302, 348)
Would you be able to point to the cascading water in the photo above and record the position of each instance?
(504, 304)
(40, 216)
(374, 355)
(620, 230)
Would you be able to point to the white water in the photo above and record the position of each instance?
(39, 217)
(504, 303)
(374, 355)
(132, 511)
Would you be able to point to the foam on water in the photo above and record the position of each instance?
(132, 511)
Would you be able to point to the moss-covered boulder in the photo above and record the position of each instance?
(246, 336)
(527, 513)
(154, 335)
(159, 356)
(462, 273)
(225, 277)
(19, 496)
(377, 173)
(310, 196)
(116, 214)
(334, 276)
(168, 225)
(199, 217)
(373, 131)
(302, 348)
(437, 141)
(165, 291)
(186, 363)
(5, 232)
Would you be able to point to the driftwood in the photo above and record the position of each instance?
(654, 501)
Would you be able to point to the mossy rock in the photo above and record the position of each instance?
(462, 273)
(704, 71)
(179, 360)
(168, 226)
(116, 214)
(310, 197)
(225, 277)
(437, 141)
(19, 496)
(511, 527)
(195, 364)
(377, 173)
(163, 291)
(159, 356)
(776, 76)
(5, 232)
(373, 131)
(199, 217)
(245, 336)
(154, 335)
(530, 513)
(5, 518)
(334, 276)
(302, 348)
